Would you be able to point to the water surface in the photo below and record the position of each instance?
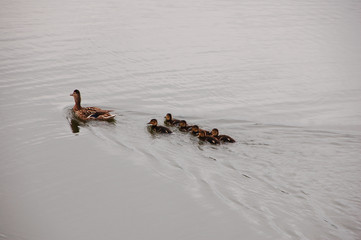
(281, 77)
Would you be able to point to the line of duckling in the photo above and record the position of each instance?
(212, 137)
(94, 113)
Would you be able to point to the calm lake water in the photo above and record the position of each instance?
(281, 77)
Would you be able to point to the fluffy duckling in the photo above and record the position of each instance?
(89, 113)
(222, 138)
(169, 120)
(195, 131)
(183, 126)
(202, 136)
(159, 129)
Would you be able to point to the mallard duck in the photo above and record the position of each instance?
(169, 120)
(222, 138)
(202, 136)
(183, 126)
(89, 113)
(159, 129)
(195, 131)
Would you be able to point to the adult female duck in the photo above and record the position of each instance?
(89, 113)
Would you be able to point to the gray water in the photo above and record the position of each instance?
(281, 77)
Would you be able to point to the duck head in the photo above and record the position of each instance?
(195, 128)
(215, 132)
(75, 93)
(77, 99)
(183, 123)
(201, 134)
(168, 117)
(153, 122)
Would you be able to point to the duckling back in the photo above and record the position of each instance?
(161, 129)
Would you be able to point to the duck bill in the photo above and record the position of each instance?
(149, 123)
(71, 94)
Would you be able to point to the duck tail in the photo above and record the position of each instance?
(109, 116)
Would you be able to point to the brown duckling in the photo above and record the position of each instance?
(89, 113)
(183, 126)
(195, 131)
(159, 129)
(222, 138)
(202, 136)
(169, 120)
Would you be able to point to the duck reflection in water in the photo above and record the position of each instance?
(74, 125)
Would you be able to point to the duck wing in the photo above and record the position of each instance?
(225, 138)
(176, 122)
(96, 110)
(162, 129)
(173, 122)
(94, 113)
(212, 140)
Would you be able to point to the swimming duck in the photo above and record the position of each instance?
(169, 120)
(89, 113)
(222, 138)
(183, 126)
(202, 136)
(195, 131)
(159, 129)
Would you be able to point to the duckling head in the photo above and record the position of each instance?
(215, 132)
(168, 117)
(153, 122)
(201, 134)
(183, 123)
(195, 128)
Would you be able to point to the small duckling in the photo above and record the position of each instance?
(202, 136)
(222, 138)
(159, 129)
(89, 113)
(195, 131)
(183, 126)
(169, 120)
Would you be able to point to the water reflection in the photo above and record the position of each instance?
(73, 121)
(228, 65)
(74, 125)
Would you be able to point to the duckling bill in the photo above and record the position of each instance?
(89, 113)
(159, 129)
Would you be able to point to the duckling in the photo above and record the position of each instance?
(183, 126)
(89, 113)
(202, 136)
(223, 138)
(159, 129)
(195, 131)
(169, 120)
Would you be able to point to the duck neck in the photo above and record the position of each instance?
(77, 103)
